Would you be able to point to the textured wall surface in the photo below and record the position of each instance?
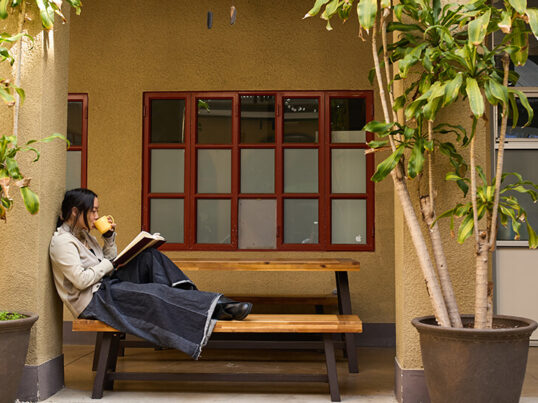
(117, 52)
(24, 265)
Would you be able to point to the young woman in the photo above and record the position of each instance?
(148, 297)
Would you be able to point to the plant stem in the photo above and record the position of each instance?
(430, 276)
(500, 158)
(384, 16)
(473, 182)
(481, 296)
(427, 205)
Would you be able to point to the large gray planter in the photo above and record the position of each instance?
(468, 365)
(14, 338)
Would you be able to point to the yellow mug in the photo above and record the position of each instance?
(103, 225)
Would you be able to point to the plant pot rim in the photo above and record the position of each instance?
(14, 325)
(519, 326)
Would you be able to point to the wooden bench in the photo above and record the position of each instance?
(326, 325)
(318, 301)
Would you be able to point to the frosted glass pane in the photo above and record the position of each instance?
(348, 117)
(348, 136)
(213, 221)
(73, 170)
(74, 123)
(214, 171)
(301, 171)
(348, 222)
(166, 218)
(348, 173)
(524, 162)
(257, 224)
(214, 121)
(301, 120)
(167, 121)
(301, 221)
(257, 171)
(167, 171)
(257, 119)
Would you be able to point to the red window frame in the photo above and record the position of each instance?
(323, 145)
(83, 148)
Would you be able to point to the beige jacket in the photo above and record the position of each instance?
(77, 271)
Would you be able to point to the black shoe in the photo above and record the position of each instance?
(232, 310)
(238, 310)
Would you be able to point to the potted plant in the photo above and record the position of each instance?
(441, 54)
(15, 326)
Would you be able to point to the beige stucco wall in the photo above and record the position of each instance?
(24, 265)
(118, 51)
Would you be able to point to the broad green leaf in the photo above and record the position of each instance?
(520, 41)
(377, 127)
(451, 176)
(505, 25)
(313, 11)
(416, 159)
(452, 89)
(3, 8)
(498, 90)
(463, 186)
(519, 5)
(377, 143)
(476, 101)
(46, 12)
(478, 28)
(76, 4)
(533, 239)
(399, 102)
(367, 10)
(532, 13)
(515, 110)
(385, 167)
(466, 228)
(525, 103)
(398, 26)
(31, 200)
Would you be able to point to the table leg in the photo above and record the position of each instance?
(344, 308)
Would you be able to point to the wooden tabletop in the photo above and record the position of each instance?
(268, 264)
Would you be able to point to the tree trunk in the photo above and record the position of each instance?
(481, 297)
(440, 259)
(432, 283)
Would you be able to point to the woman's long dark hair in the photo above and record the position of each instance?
(82, 199)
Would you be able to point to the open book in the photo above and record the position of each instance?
(140, 242)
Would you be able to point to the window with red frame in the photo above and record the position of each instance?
(77, 134)
(274, 170)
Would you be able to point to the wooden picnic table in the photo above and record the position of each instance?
(340, 267)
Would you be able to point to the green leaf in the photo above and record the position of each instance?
(378, 127)
(452, 89)
(3, 9)
(6, 96)
(385, 167)
(367, 11)
(313, 11)
(532, 13)
(498, 90)
(519, 5)
(525, 103)
(399, 102)
(466, 228)
(515, 110)
(520, 41)
(31, 200)
(398, 26)
(416, 159)
(505, 25)
(377, 143)
(477, 28)
(451, 176)
(533, 239)
(384, 3)
(475, 97)
(46, 12)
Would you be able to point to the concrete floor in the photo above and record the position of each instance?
(374, 384)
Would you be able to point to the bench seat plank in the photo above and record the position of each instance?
(228, 264)
(263, 323)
